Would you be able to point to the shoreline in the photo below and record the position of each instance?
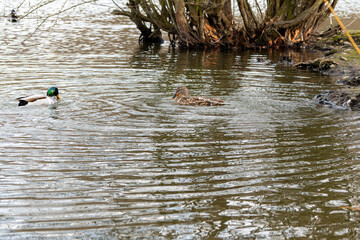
(341, 61)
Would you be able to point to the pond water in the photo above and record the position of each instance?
(118, 159)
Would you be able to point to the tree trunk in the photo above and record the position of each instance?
(210, 23)
(293, 22)
(183, 26)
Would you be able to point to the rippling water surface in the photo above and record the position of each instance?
(117, 158)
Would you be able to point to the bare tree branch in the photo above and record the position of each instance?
(52, 15)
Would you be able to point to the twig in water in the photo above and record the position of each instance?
(357, 208)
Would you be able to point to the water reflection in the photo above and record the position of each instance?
(118, 158)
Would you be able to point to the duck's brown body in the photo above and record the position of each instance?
(182, 98)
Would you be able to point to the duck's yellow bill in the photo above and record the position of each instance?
(58, 97)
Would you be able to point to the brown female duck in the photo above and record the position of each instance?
(182, 97)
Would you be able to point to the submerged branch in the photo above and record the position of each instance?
(357, 207)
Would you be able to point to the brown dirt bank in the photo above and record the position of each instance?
(341, 60)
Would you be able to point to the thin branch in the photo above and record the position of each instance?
(353, 208)
(117, 5)
(52, 15)
(259, 10)
(20, 4)
(300, 18)
(352, 22)
(37, 7)
(37, 28)
(57, 17)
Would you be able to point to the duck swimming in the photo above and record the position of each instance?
(182, 97)
(52, 97)
(13, 16)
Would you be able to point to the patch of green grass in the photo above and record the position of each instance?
(351, 56)
(355, 34)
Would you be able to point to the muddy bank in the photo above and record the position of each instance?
(339, 99)
(341, 60)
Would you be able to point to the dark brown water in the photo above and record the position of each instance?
(117, 158)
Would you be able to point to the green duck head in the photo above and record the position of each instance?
(53, 92)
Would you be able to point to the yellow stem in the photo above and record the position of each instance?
(343, 28)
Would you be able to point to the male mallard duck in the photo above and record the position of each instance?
(13, 16)
(182, 97)
(52, 97)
